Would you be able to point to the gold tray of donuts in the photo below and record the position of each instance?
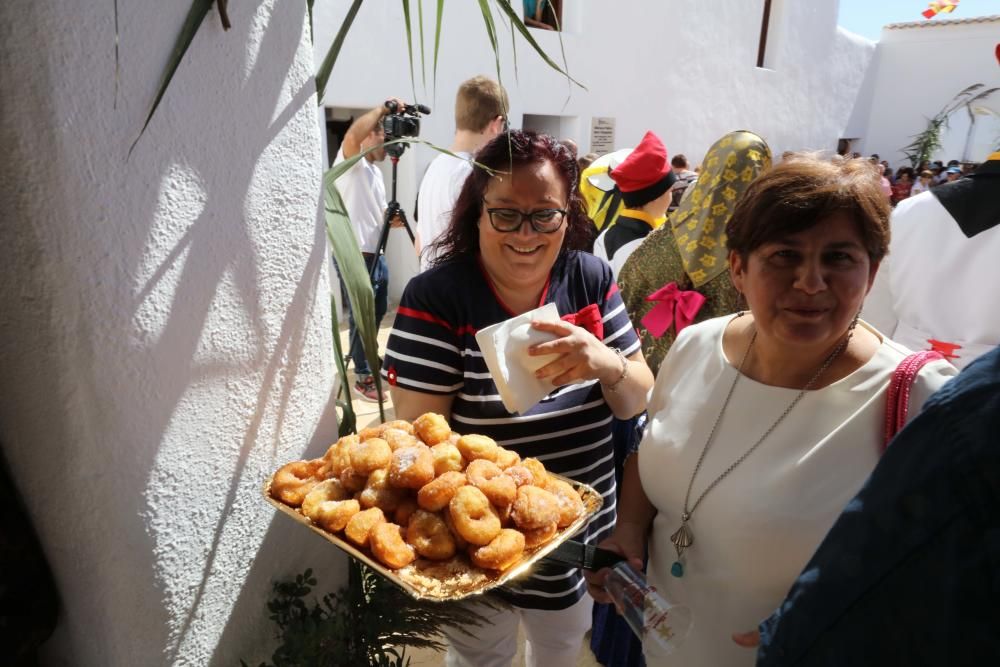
(441, 515)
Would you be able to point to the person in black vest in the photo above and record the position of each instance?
(644, 178)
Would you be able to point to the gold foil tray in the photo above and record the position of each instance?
(456, 578)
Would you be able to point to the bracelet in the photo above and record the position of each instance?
(613, 388)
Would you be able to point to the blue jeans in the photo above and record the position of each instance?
(380, 283)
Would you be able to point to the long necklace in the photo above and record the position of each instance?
(683, 537)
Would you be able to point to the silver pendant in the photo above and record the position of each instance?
(682, 538)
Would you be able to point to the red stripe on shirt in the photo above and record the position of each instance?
(421, 315)
(611, 290)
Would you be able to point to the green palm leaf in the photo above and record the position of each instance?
(409, 43)
(323, 73)
(437, 41)
(519, 24)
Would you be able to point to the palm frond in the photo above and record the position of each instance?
(323, 73)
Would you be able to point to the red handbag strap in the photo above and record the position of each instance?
(899, 391)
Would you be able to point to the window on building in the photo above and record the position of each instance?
(543, 14)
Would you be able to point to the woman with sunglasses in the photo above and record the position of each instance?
(515, 244)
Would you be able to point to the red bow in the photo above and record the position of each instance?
(944, 348)
(675, 306)
(588, 318)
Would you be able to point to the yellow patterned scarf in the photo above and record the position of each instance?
(699, 223)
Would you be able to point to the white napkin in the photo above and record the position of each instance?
(505, 348)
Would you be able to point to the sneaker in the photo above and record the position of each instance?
(367, 390)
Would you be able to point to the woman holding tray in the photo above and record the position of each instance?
(764, 424)
(514, 245)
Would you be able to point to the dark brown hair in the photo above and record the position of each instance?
(508, 151)
(799, 193)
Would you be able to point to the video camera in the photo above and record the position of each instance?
(401, 123)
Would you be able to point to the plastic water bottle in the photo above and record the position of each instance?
(649, 615)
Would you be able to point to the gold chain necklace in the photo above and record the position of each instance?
(683, 537)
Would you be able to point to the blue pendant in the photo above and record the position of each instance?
(677, 569)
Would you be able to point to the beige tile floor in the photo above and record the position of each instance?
(367, 415)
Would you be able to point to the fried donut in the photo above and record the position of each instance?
(570, 503)
(360, 526)
(473, 516)
(502, 552)
(387, 544)
(338, 456)
(398, 438)
(540, 476)
(535, 508)
(436, 494)
(370, 455)
(507, 458)
(447, 457)
(520, 474)
(328, 505)
(429, 536)
(432, 428)
(379, 493)
(536, 537)
(411, 467)
(399, 424)
(478, 447)
(459, 540)
(404, 510)
(370, 432)
(352, 480)
(294, 480)
(486, 476)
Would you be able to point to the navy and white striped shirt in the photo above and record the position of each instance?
(433, 349)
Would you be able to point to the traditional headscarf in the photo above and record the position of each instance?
(699, 223)
(677, 276)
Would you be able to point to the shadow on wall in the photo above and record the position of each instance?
(188, 401)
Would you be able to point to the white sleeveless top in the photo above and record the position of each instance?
(757, 529)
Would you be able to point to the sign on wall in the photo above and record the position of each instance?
(602, 135)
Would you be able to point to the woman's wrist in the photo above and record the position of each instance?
(613, 379)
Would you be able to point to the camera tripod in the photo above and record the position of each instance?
(393, 210)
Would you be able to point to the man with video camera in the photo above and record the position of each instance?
(480, 114)
(363, 192)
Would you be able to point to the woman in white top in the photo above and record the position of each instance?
(763, 425)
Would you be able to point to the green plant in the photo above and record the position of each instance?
(369, 622)
(927, 142)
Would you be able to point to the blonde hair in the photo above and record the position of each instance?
(478, 102)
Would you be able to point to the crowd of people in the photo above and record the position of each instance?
(720, 376)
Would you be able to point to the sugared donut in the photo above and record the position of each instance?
(570, 503)
(294, 480)
(379, 493)
(436, 494)
(429, 536)
(329, 506)
(520, 474)
(478, 447)
(411, 467)
(540, 476)
(432, 428)
(535, 508)
(338, 456)
(502, 552)
(486, 476)
(398, 438)
(370, 432)
(370, 455)
(473, 516)
(404, 510)
(507, 458)
(359, 528)
(352, 480)
(447, 457)
(398, 424)
(387, 545)
(459, 540)
(536, 537)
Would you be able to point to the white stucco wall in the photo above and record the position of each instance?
(919, 69)
(685, 70)
(165, 320)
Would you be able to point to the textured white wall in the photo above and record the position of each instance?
(918, 71)
(686, 70)
(166, 331)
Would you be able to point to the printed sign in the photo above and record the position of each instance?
(602, 135)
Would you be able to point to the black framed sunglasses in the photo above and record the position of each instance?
(545, 221)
